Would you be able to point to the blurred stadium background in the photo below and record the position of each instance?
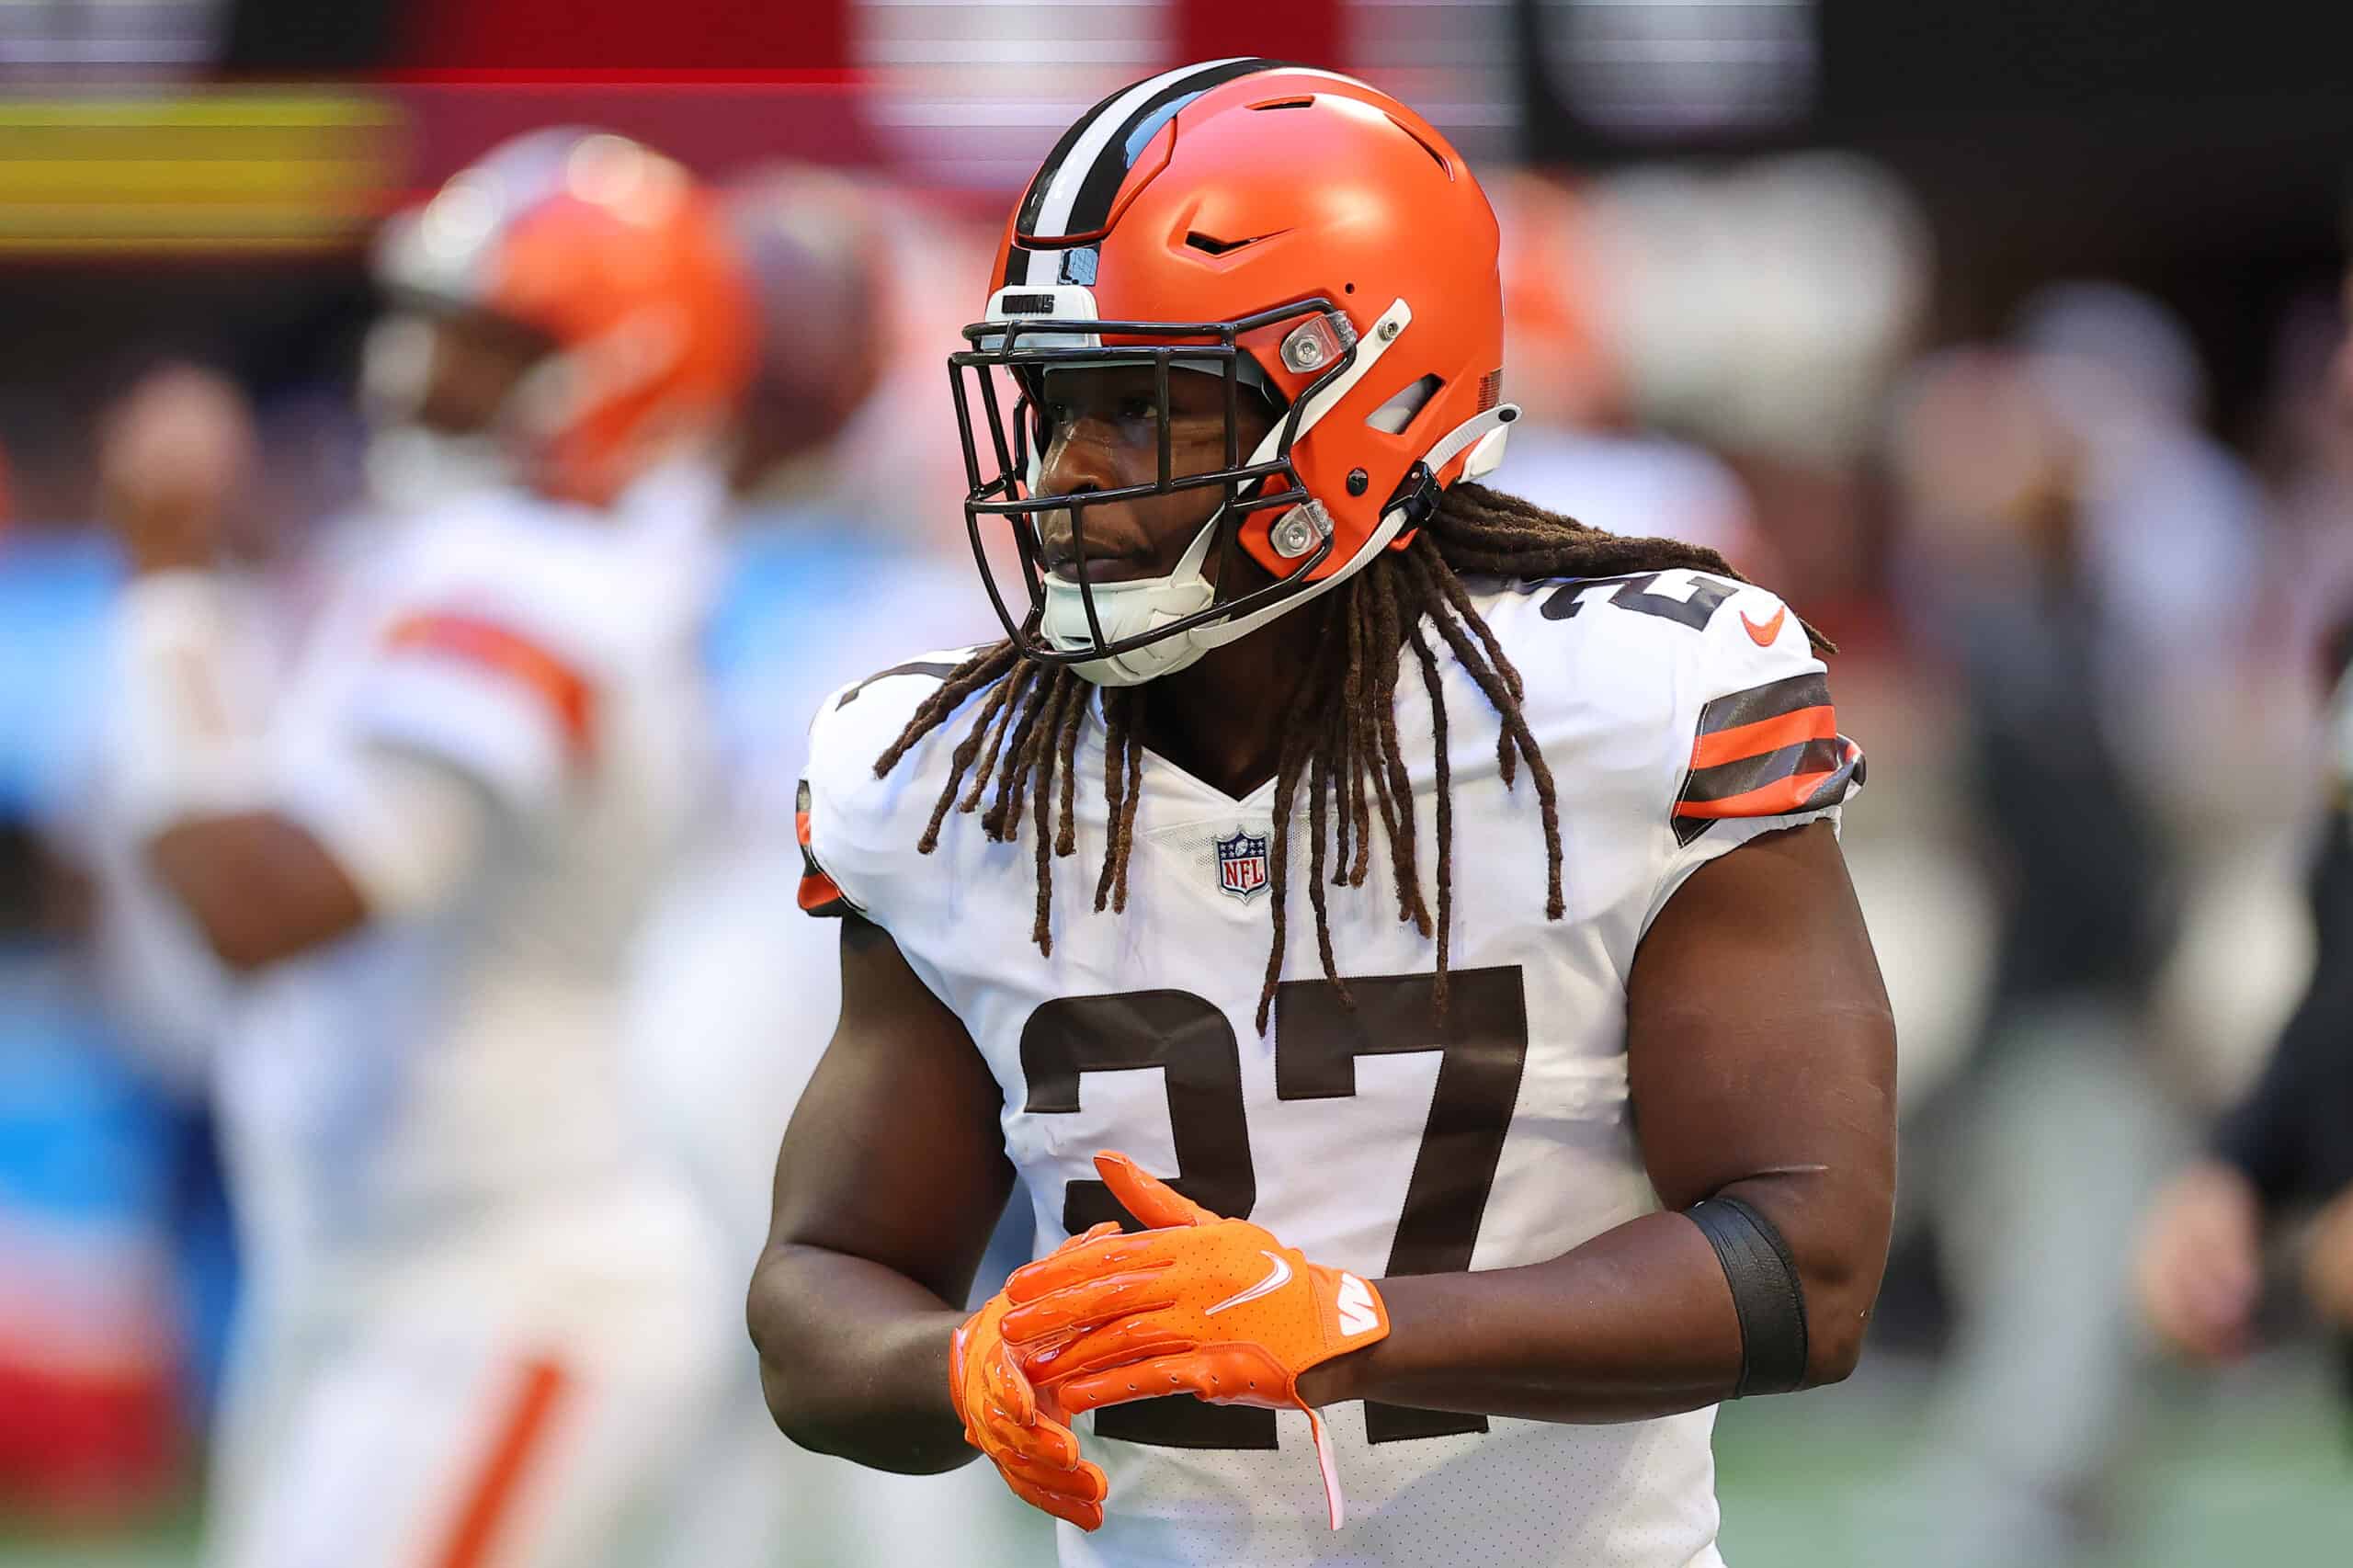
(2005, 338)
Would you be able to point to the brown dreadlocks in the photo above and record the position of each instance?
(1342, 741)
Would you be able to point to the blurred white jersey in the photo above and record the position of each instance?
(440, 1096)
(478, 1328)
(1681, 715)
(477, 1321)
(731, 1010)
(711, 967)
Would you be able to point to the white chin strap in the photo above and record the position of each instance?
(1131, 608)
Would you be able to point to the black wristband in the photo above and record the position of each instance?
(1766, 1293)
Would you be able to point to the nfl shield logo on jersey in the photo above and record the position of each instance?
(1242, 864)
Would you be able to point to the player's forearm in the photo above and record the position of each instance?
(1636, 1323)
(854, 1360)
(259, 888)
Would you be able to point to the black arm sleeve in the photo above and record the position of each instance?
(1766, 1292)
(2293, 1135)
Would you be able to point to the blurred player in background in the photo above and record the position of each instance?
(475, 1329)
(715, 968)
(179, 450)
(1408, 1224)
(2287, 1146)
(2030, 476)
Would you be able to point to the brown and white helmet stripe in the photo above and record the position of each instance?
(1072, 196)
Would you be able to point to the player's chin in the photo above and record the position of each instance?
(1099, 566)
(1111, 550)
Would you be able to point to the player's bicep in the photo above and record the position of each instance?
(895, 1154)
(1761, 1052)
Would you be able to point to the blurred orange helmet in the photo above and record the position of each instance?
(612, 253)
(1305, 235)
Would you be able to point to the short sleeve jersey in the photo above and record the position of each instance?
(1681, 715)
(452, 1070)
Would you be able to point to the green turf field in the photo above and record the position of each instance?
(2254, 1471)
(2250, 1473)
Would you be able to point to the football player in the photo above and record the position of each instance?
(476, 1325)
(2199, 1273)
(1568, 1116)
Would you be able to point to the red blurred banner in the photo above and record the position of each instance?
(572, 36)
(1304, 30)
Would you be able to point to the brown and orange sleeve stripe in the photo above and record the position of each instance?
(820, 895)
(1768, 751)
(568, 694)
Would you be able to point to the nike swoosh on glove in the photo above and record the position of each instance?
(1027, 1437)
(1197, 1304)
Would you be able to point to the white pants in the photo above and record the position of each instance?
(409, 1446)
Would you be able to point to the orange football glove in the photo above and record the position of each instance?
(1025, 1436)
(1198, 1304)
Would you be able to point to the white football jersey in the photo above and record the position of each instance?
(1681, 715)
(441, 1097)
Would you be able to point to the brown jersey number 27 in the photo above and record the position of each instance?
(1482, 1036)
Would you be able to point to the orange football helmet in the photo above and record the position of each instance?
(614, 254)
(1305, 235)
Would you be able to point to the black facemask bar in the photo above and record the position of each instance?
(1248, 487)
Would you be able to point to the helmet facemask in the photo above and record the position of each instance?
(1120, 633)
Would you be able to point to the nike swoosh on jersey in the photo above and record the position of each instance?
(1763, 635)
(1277, 1277)
(1357, 1315)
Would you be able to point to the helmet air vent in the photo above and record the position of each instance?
(1212, 245)
(1446, 166)
(1391, 417)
